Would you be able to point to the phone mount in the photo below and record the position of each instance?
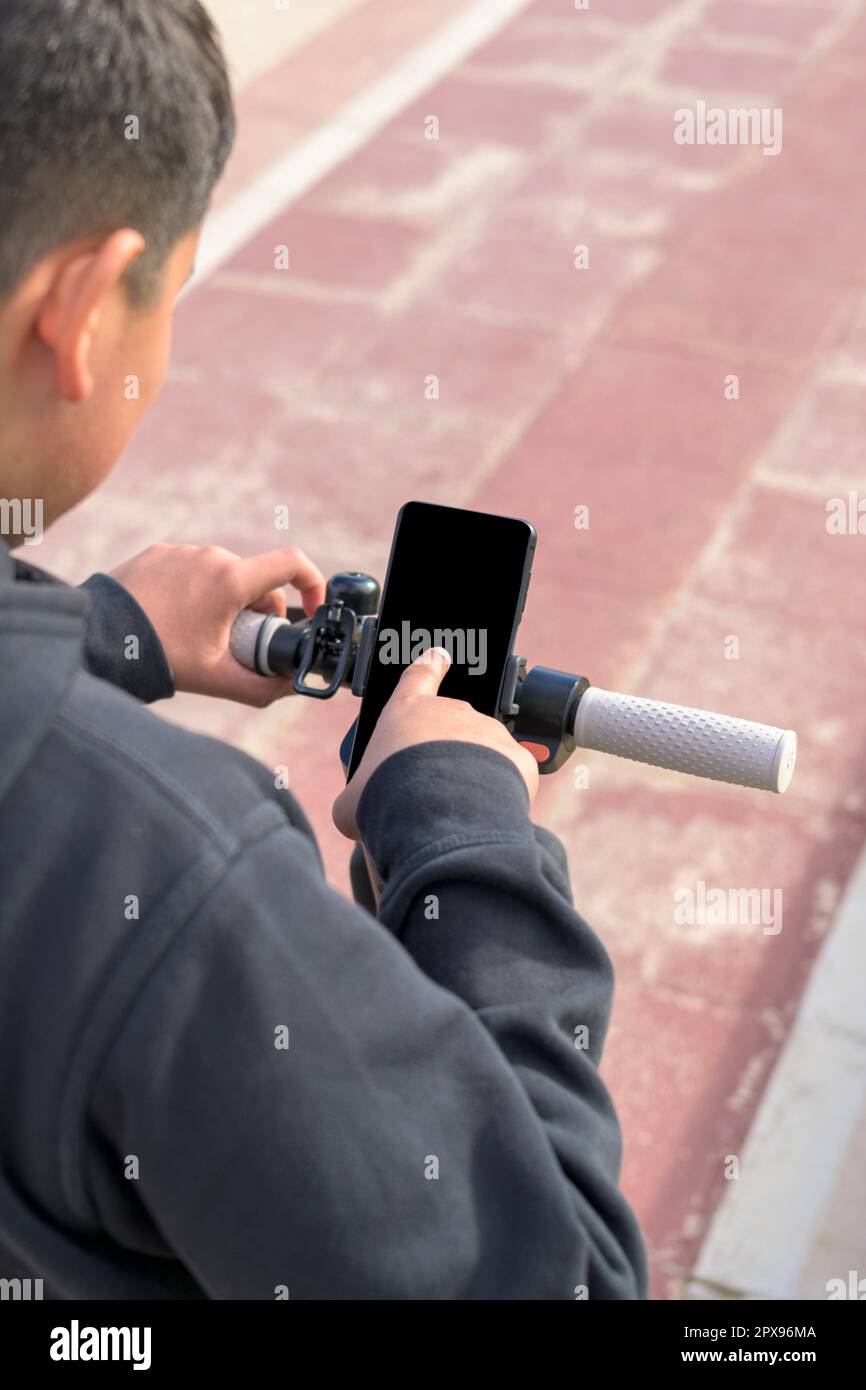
(325, 645)
(551, 709)
(336, 645)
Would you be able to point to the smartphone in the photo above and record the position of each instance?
(456, 579)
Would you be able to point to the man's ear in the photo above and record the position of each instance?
(73, 304)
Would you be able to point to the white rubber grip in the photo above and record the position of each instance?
(686, 740)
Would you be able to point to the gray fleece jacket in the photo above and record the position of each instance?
(221, 1079)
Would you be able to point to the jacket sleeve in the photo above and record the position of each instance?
(323, 1108)
(141, 667)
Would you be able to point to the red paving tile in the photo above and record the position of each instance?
(520, 114)
(484, 369)
(603, 188)
(275, 340)
(560, 275)
(786, 562)
(576, 626)
(720, 73)
(762, 276)
(406, 177)
(330, 250)
(728, 992)
(639, 131)
(632, 840)
(630, 12)
(824, 440)
(201, 426)
(351, 473)
(566, 55)
(798, 675)
(790, 24)
(685, 1074)
(649, 443)
(720, 302)
(849, 345)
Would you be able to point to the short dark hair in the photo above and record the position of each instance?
(73, 75)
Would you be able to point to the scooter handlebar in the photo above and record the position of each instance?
(695, 741)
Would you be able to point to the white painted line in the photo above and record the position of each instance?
(289, 178)
(770, 1220)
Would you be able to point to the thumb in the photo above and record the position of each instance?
(425, 675)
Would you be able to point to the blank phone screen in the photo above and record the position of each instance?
(456, 579)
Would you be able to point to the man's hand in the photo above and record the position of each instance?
(415, 713)
(192, 595)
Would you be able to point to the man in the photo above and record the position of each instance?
(218, 1078)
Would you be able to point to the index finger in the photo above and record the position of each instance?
(274, 568)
